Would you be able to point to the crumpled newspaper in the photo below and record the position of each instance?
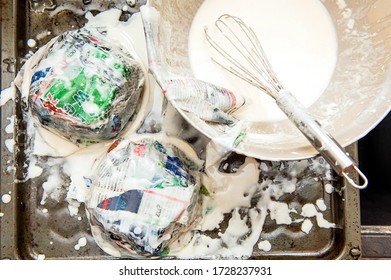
(85, 88)
(144, 194)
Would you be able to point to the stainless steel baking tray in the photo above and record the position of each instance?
(30, 232)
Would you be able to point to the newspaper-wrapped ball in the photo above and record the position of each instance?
(145, 194)
(85, 88)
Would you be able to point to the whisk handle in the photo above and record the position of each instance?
(322, 141)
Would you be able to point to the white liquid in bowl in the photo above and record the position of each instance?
(299, 40)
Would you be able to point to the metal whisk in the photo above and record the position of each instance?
(241, 53)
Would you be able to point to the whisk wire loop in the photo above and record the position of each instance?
(236, 67)
(256, 56)
(246, 58)
(239, 45)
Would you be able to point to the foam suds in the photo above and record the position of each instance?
(306, 226)
(34, 170)
(10, 144)
(309, 210)
(53, 187)
(10, 127)
(7, 94)
(264, 246)
(6, 198)
(31, 43)
(321, 205)
(328, 188)
(81, 243)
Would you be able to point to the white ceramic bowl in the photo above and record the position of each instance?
(359, 92)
